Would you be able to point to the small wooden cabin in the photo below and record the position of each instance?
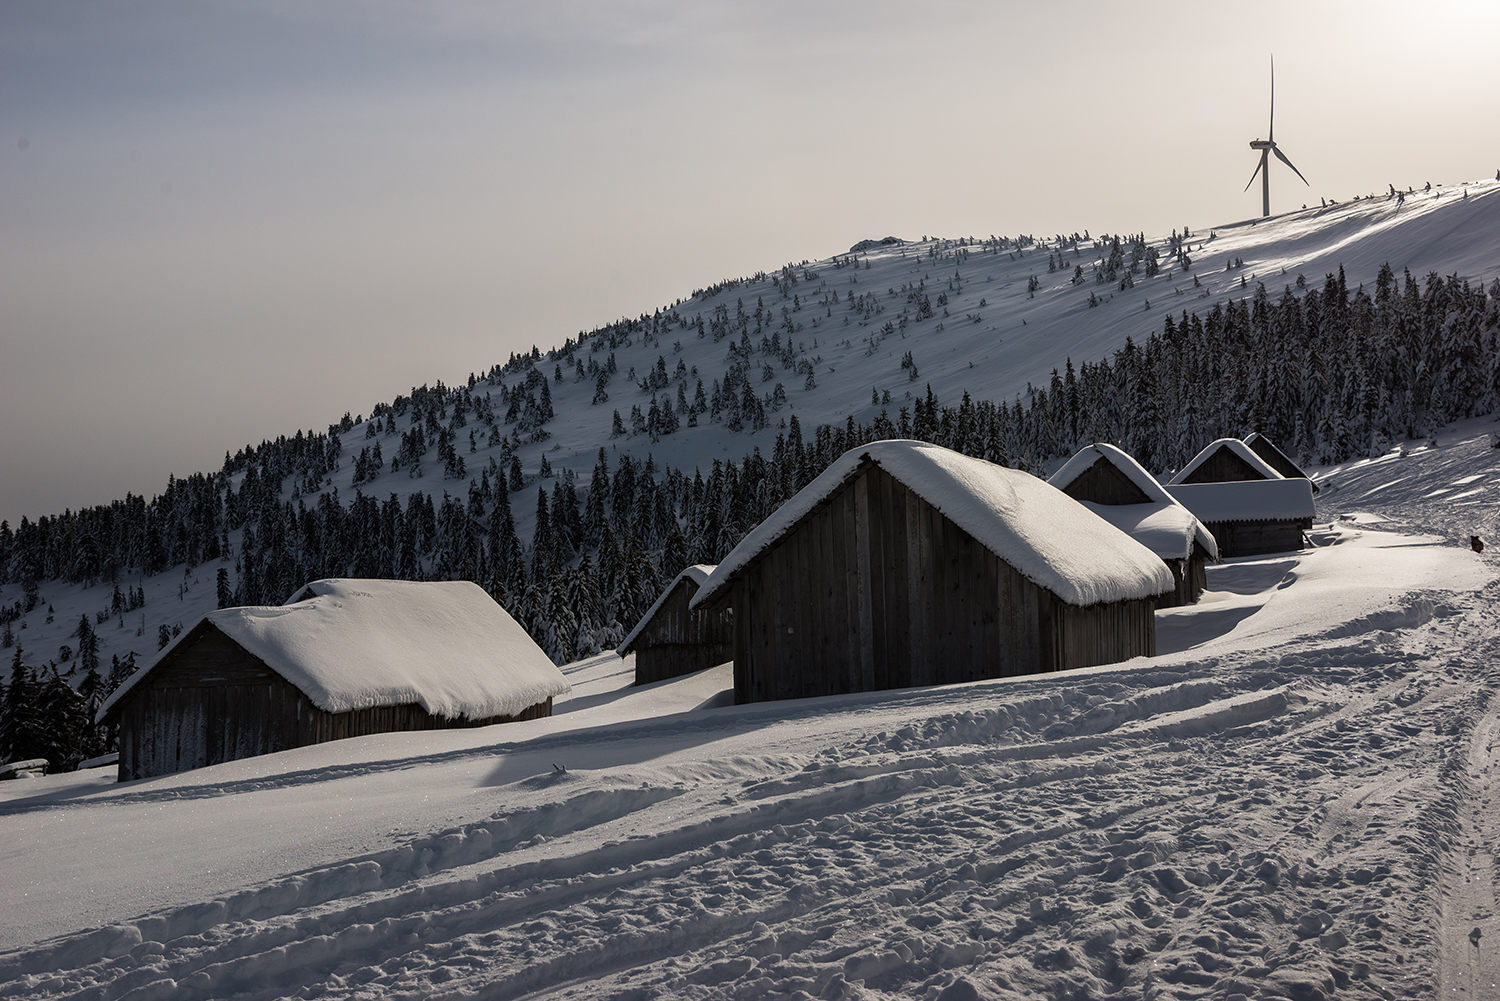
(908, 564)
(1118, 489)
(1250, 508)
(1276, 458)
(672, 640)
(345, 658)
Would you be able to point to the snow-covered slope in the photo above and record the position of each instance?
(990, 339)
(1295, 800)
(998, 337)
(993, 337)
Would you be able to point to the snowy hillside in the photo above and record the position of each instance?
(844, 342)
(1296, 799)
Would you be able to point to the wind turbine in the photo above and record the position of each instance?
(1267, 146)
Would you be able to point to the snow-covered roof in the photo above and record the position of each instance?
(697, 573)
(1163, 526)
(1236, 446)
(354, 644)
(1054, 541)
(1083, 460)
(1280, 499)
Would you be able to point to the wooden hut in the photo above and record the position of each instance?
(909, 564)
(672, 640)
(1250, 508)
(1118, 489)
(1276, 458)
(345, 658)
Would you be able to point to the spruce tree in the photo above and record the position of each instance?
(63, 722)
(594, 514)
(21, 735)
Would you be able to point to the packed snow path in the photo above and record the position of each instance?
(1298, 803)
(1281, 823)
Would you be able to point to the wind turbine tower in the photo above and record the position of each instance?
(1267, 146)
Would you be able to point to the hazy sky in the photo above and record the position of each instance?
(221, 222)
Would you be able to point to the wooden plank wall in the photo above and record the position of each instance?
(1191, 577)
(1103, 483)
(877, 589)
(1103, 633)
(1257, 538)
(213, 702)
(1278, 460)
(1224, 467)
(210, 702)
(678, 641)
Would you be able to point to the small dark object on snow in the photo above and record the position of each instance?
(1474, 937)
(559, 768)
(1476, 543)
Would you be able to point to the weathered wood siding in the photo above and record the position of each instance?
(1224, 467)
(1191, 576)
(876, 589)
(677, 641)
(1103, 483)
(212, 701)
(1277, 459)
(1098, 634)
(1256, 538)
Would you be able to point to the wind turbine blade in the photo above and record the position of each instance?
(1258, 168)
(1271, 129)
(1282, 157)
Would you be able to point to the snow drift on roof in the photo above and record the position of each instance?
(1247, 500)
(1054, 541)
(444, 645)
(1167, 529)
(1154, 527)
(1236, 446)
(697, 573)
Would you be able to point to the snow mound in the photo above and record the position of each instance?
(1168, 530)
(355, 644)
(1053, 540)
